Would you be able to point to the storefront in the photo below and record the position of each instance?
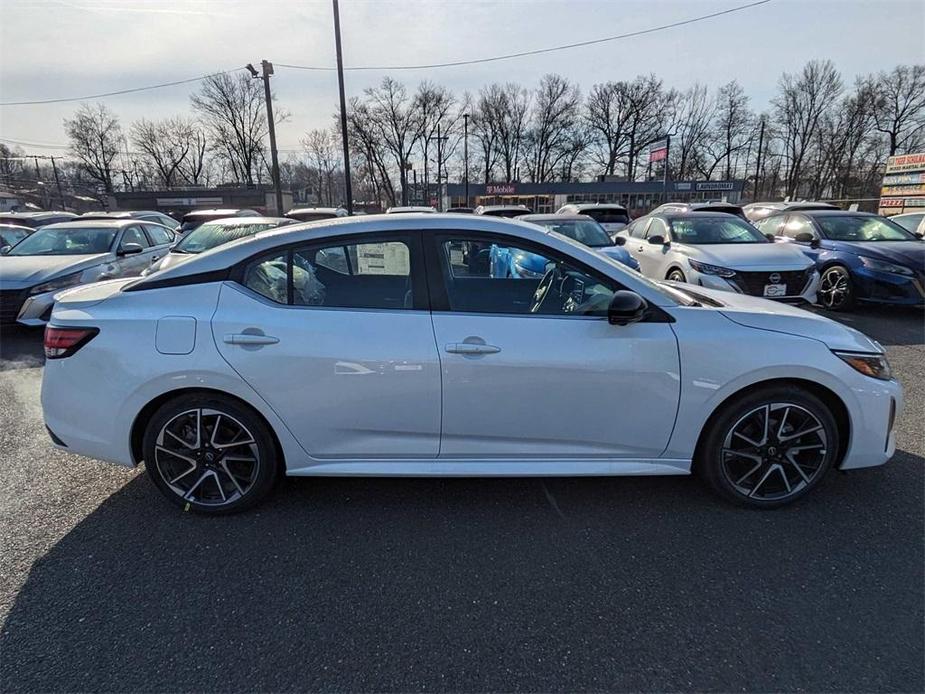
(638, 197)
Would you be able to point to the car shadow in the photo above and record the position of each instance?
(481, 584)
(21, 347)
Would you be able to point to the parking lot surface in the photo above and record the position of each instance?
(463, 585)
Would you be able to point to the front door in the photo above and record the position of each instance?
(133, 264)
(336, 337)
(548, 377)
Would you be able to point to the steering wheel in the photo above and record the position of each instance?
(542, 290)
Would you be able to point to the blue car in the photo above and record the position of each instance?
(860, 257)
(512, 262)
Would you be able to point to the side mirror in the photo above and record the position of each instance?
(919, 234)
(658, 240)
(129, 249)
(5, 250)
(626, 307)
(815, 243)
(804, 237)
(619, 240)
(770, 237)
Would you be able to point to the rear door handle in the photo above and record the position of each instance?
(249, 339)
(468, 348)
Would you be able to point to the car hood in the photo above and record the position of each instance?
(762, 314)
(20, 271)
(749, 256)
(911, 253)
(620, 254)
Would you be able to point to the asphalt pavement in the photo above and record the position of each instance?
(459, 585)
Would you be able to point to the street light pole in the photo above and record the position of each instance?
(466, 154)
(267, 70)
(343, 109)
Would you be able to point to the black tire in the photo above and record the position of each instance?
(676, 275)
(836, 291)
(782, 475)
(234, 474)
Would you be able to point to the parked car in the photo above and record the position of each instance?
(406, 209)
(759, 210)
(59, 256)
(701, 207)
(860, 256)
(35, 219)
(313, 214)
(611, 216)
(586, 230)
(193, 219)
(284, 359)
(508, 211)
(11, 234)
(720, 251)
(213, 234)
(141, 215)
(461, 210)
(911, 221)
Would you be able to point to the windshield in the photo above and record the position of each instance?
(715, 230)
(584, 231)
(608, 216)
(209, 236)
(10, 237)
(851, 228)
(66, 241)
(311, 216)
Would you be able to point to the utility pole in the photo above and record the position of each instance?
(343, 109)
(760, 150)
(665, 172)
(466, 155)
(440, 139)
(267, 70)
(54, 168)
(38, 182)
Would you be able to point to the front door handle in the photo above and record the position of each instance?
(468, 348)
(249, 339)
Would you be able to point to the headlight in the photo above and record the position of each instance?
(527, 273)
(882, 266)
(71, 280)
(873, 365)
(708, 269)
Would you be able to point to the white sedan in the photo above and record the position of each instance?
(720, 251)
(372, 347)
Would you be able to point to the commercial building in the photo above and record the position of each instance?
(638, 196)
(177, 202)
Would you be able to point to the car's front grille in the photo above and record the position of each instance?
(754, 282)
(11, 300)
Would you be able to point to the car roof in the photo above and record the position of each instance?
(231, 212)
(91, 224)
(315, 209)
(825, 213)
(38, 215)
(555, 218)
(247, 221)
(596, 205)
(4, 225)
(692, 214)
(425, 209)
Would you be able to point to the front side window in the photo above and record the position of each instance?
(66, 241)
(714, 230)
(134, 235)
(584, 231)
(495, 276)
(354, 275)
(799, 228)
(851, 228)
(638, 228)
(770, 225)
(657, 228)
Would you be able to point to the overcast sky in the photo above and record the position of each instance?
(54, 49)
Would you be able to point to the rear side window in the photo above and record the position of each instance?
(771, 225)
(797, 225)
(356, 275)
(158, 235)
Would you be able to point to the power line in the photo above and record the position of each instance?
(119, 92)
(537, 51)
(40, 145)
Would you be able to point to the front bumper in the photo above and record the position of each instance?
(36, 309)
(806, 293)
(879, 405)
(888, 287)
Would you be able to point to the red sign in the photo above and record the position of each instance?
(501, 189)
(658, 151)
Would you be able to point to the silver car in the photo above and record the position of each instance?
(60, 256)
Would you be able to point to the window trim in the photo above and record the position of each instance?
(411, 238)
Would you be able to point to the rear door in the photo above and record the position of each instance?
(336, 335)
(534, 375)
(134, 264)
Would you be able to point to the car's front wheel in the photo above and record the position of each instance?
(835, 290)
(770, 447)
(210, 454)
(676, 275)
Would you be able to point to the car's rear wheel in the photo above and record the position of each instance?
(676, 276)
(209, 454)
(770, 447)
(835, 291)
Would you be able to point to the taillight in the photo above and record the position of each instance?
(63, 342)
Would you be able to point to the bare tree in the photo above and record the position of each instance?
(899, 100)
(552, 135)
(12, 164)
(95, 136)
(731, 129)
(165, 144)
(366, 144)
(434, 106)
(798, 109)
(324, 158)
(693, 117)
(194, 167)
(484, 130)
(231, 107)
(502, 112)
(608, 114)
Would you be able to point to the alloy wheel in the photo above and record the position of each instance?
(834, 288)
(676, 276)
(207, 457)
(774, 451)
